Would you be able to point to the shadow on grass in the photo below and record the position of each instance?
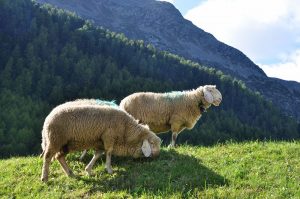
(171, 172)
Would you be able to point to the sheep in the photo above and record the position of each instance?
(90, 102)
(77, 127)
(173, 111)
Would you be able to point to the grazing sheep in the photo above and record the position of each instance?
(91, 102)
(70, 128)
(173, 111)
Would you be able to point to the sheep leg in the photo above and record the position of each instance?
(108, 162)
(61, 159)
(176, 129)
(82, 155)
(89, 167)
(173, 140)
(46, 163)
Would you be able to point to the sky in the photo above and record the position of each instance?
(267, 31)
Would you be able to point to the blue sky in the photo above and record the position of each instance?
(267, 31)
(185, 5)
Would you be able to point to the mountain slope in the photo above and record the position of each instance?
(254, 170)
(48, 56)
(161, 24)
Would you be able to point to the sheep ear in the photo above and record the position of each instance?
(208, 96)
(146, 148)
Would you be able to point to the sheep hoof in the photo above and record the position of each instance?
(88, 172)
(71, 174)
(171, 146)
(109, 170)
(44, 179)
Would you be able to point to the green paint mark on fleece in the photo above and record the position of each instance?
(108, 103)
(174, 94)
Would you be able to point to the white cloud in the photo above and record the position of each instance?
(262, 29)
(288, 69)
(170, 1)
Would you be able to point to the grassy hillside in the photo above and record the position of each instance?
(247, 170)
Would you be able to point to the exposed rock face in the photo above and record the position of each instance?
(162, 25)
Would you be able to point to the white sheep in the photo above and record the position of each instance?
(91, 102)
(70, 128)
(173, 111)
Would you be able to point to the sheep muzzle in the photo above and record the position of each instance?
(154, 154)
(217, 102)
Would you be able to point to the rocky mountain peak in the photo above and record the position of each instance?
(162, 25)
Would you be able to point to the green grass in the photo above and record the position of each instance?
(244, 170)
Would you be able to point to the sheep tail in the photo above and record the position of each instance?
(44, 144)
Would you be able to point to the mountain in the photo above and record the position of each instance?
(161, 24)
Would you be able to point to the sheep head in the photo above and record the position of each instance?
(148, 144)
(154, 142)
(150, 147)
(210, 94)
